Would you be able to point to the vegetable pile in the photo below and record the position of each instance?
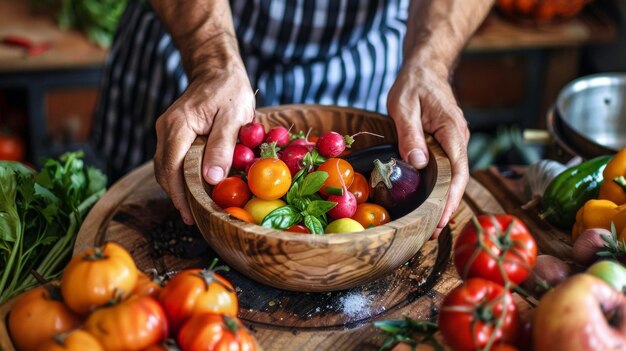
(40, 214)
(302, 184)
(104, 302)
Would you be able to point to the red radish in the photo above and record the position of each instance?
(278, 134)
(251, 163)
(303, 142)
(292, 156)
(346, 205)
(332, 144)
(242, 156)
(252, 134)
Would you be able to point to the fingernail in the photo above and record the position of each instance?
(214, 174)
(417, 158)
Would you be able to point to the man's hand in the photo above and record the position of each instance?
(216, 103)
(421, 100)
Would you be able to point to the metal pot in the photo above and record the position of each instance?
(590, 115)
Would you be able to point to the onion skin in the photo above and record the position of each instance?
(394, 186)
(548, 270)
(588, 243)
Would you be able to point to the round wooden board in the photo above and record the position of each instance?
(136, 213)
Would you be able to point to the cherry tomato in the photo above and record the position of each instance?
(360, 188)
(298, 228)
(93, 276)
(339, 171)
(231, 192)
(488, 240)
(260, 208)
(38, 315)
(11, 147)
(469, 316)
(77, 340)
(133, 324)
(269, 179)
(240, 213)
(371, 215)
(196, 290)
(147, 286)
(215, 332)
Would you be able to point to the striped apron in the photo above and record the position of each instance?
(339, 52)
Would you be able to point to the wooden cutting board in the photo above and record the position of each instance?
(136, 213)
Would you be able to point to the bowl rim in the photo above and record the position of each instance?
(192, 163)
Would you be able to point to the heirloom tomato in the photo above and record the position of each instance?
(197, 290)
(77, 340)
(490, 245)
(476, 314)
(130, 325)
(269, 178)
(231, 192)
(93, 276)
(146, 286)
(215, 332)
(38, 315)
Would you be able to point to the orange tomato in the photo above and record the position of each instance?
(269, 179)
(371, 215)
(147, 286)
(240, 213)
(133, 324)
(196, 290)
(231, 192)
(339, 171)
(93, 276)
(78, 340)
(360, 188)
(215, 332)
(38, 315)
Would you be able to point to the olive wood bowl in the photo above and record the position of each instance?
(316, 263)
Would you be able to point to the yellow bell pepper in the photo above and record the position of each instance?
(619, 220)
(614, 186)
(595, 214)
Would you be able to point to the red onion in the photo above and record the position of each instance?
(394, 186)
(587, 245)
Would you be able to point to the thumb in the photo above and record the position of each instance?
(218, 153)
(411, 140)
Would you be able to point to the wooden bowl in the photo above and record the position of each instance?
(314, 263)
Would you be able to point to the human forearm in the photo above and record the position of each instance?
(203, 32)
(437, 30)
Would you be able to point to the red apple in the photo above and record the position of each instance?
(581, 314)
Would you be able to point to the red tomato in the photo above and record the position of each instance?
(215, 332)
(231, 192)
(371, 215)
(133, 324)
(11, 147)
(490, 240)
(240, 213)
(269, 179)
(360, 188)
(298, 228)
(339, 171)
(195, 290)
(38, 315)
(470, 314)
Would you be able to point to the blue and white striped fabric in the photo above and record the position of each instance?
(339, 52)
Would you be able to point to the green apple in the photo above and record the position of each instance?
(583, 313)
(611, 272)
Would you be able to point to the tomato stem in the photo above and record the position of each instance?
(231, 324)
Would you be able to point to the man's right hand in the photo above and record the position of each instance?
(216, 103)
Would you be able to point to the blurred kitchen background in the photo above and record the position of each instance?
(508, 78)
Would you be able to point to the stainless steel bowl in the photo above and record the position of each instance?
(592, 110)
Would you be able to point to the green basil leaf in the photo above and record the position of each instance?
(313, 182)
(298, 176)
(292, 194)
(313, 224)
(301, 203)
(282, 218)
(319, 207)
(316, 158)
